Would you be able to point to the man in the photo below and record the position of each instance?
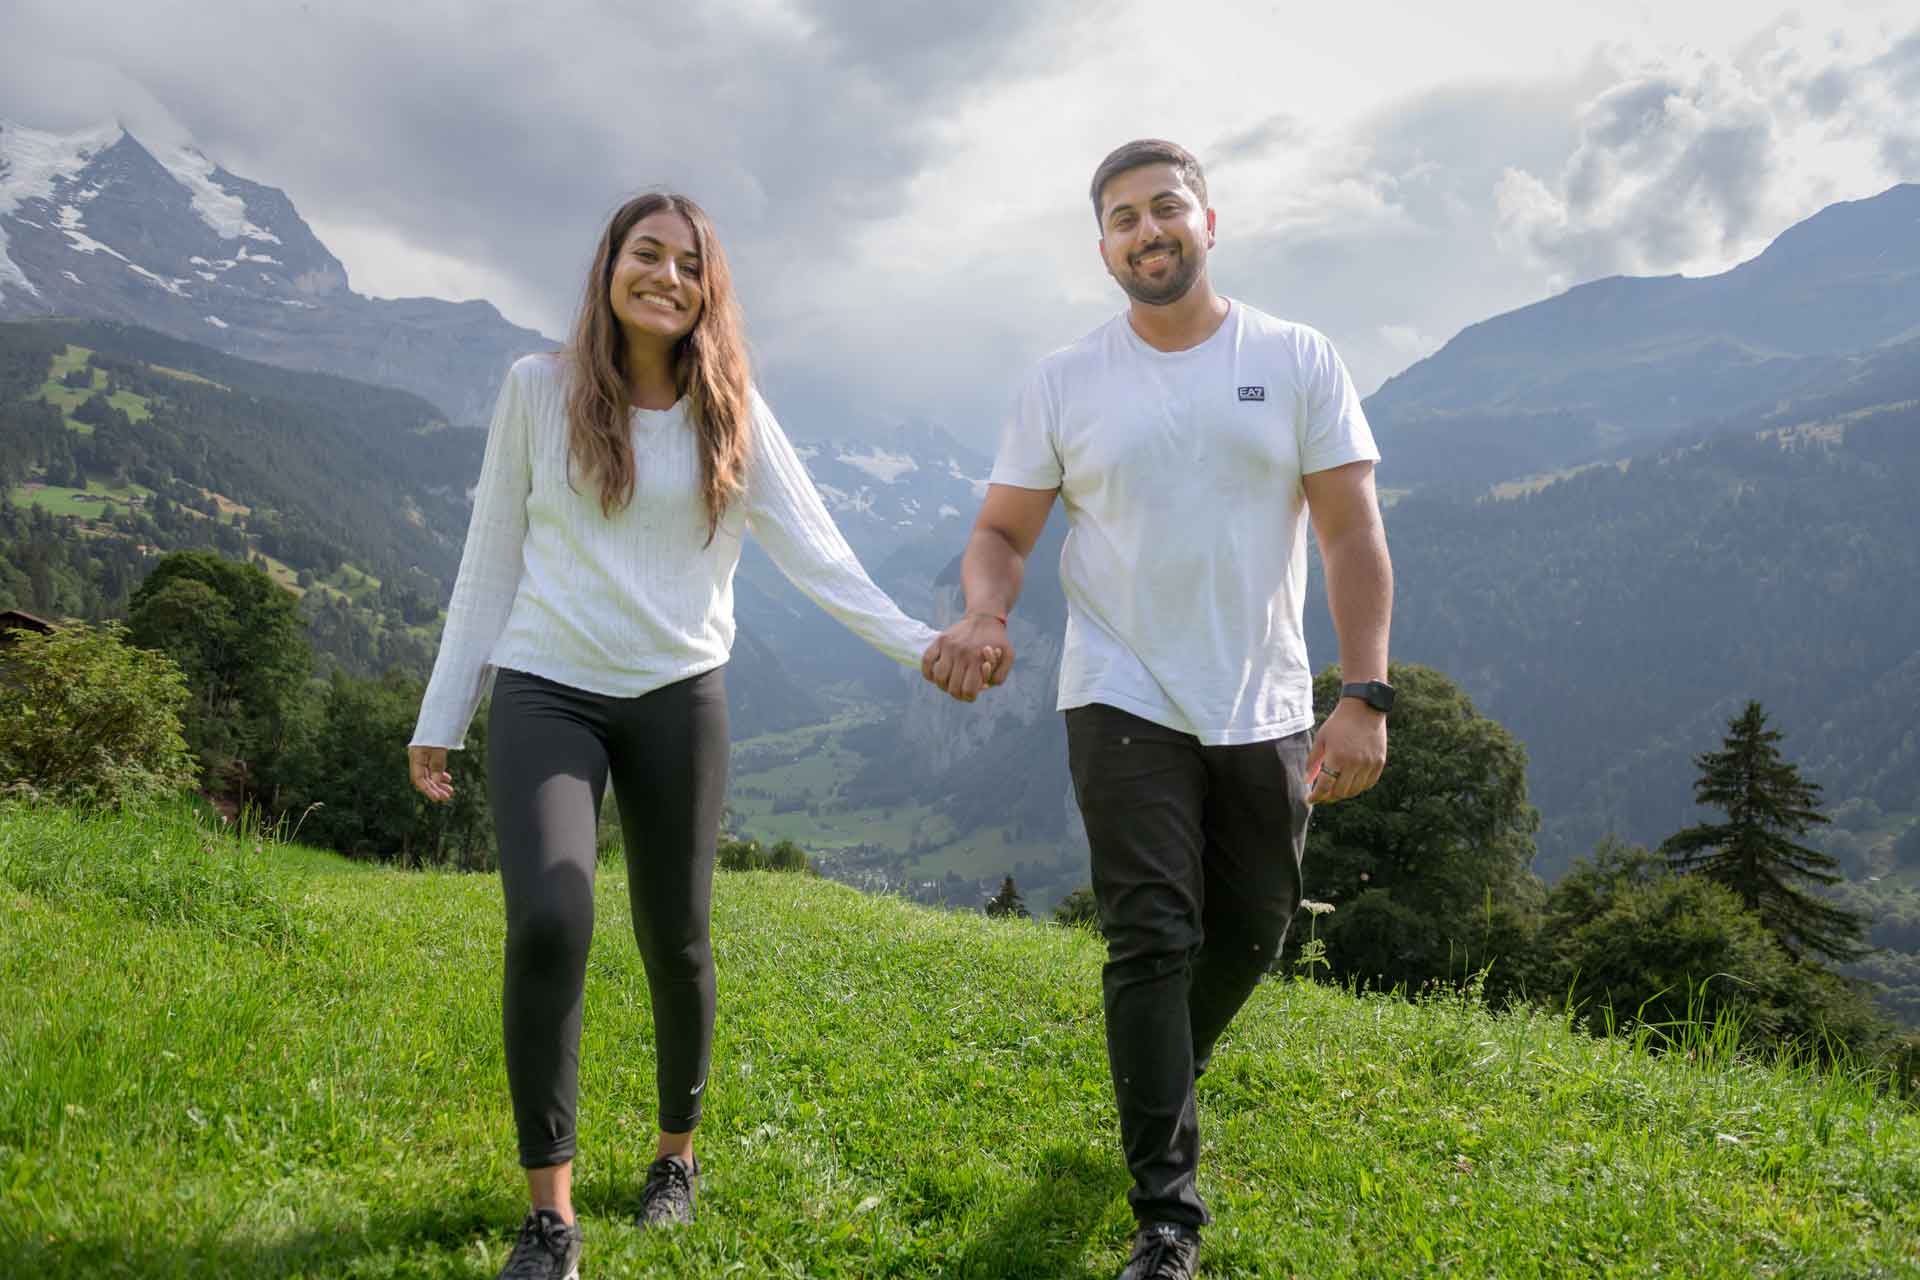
(1189, 438)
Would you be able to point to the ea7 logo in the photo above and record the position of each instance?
(1253, 393)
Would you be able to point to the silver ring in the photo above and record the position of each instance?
(1331, 773)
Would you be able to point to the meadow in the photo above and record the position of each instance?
(785, 786)
(55, 392)
(225, 1056)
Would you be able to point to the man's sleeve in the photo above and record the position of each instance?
(1029, 454)
(1333, 428)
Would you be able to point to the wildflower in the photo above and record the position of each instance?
(1316, 908)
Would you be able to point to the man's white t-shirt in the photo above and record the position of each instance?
(1185, 565)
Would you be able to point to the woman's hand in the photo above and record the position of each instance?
(968, 657)
(427, 766)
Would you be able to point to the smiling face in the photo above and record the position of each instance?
(1154, 233)
(655, 291)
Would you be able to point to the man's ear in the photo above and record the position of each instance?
(1210, 229)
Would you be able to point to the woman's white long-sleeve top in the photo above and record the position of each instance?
(626, 604)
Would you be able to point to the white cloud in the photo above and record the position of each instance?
(903, 193)
(386, 263)
(1691, 161)
(1409, 342)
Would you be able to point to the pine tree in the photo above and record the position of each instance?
(1007, 904)
(1753, 852)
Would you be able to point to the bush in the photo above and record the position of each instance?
(1078, 910)
(349, 778)
(1630, 942)
(747, 855)
(1386, 944)
(788, 856)
(1429, 869)
(87, 718)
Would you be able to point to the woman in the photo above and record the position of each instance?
(620, 477)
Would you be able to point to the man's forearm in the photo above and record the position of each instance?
(1360, 598)
(991, 573)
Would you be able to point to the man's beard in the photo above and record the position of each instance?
(1185, 271)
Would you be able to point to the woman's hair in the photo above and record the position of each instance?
(710, 368)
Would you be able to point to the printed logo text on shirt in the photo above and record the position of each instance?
(1253, 393)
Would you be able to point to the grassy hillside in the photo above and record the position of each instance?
(223, 1059)
(137, 444)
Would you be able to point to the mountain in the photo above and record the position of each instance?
(313, 470)
(95, 224)
(914, 482)
(1610, 367)
(1615, 619)
(118, 444)
(905, 505)
(1755, 544)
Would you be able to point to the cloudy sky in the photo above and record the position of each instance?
(901, 183)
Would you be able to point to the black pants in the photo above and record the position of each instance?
(1196, 872)
(550, 752)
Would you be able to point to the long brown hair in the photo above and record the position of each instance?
(710, 366)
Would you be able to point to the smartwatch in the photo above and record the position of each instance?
(1377, 694)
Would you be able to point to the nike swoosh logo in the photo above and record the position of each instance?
(697, 1088)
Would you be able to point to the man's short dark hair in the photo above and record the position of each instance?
(1146, 151)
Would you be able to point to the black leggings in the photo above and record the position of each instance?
(550, 752)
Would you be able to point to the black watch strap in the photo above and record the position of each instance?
(1377, 694)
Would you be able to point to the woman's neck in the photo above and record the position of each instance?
(651, 379)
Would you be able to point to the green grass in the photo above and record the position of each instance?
(819, 770)
(352, 582)
(983, 853)
(1524, 485)
(134, 406)
(841, 829)
(62, 501)
(222, 1062)
(72, 358)
(67, 399)
(183, 375)
(283, 573)
(806, 768)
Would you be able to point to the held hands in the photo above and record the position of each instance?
(427, 766)
(1348, 753)
(971, 655)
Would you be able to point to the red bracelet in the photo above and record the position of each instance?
(997, 617)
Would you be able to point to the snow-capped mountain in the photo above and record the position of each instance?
(95, 224)
(918, 481)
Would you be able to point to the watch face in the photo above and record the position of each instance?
(1374, 693)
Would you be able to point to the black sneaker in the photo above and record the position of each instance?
(548, 1249)
(667, 1199)
(1163, 1251)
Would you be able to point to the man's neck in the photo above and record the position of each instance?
(1182, 324)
